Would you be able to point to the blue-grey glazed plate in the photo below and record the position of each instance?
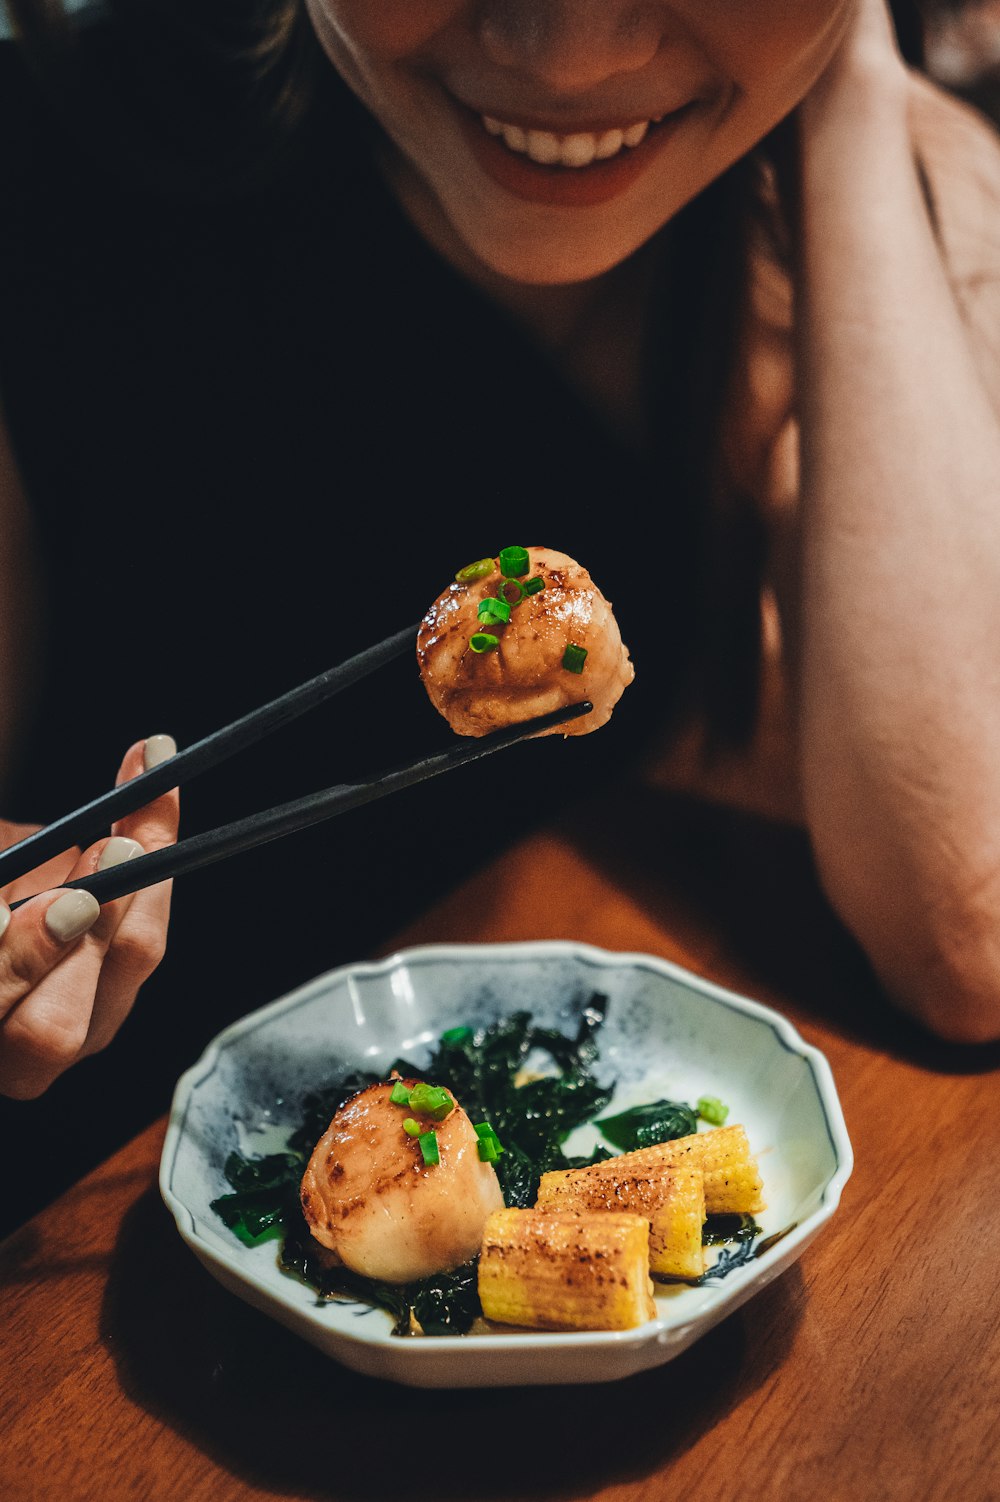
(668, 1033)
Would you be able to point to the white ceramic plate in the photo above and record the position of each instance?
(667, 1034)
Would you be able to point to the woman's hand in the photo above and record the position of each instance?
(70, 969)
(867, 56)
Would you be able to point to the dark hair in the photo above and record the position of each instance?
(250, 72)
(246, 71)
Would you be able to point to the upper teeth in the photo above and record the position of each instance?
(577, 150)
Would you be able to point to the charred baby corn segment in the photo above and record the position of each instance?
(671, 1199)
(733, 1184)
(560, 1270)
(675, 1244)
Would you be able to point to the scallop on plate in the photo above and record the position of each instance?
(666, 1034)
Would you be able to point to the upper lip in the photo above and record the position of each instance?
(559, 125)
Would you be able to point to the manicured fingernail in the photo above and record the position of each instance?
(4, 918)
(71, 915)
(117, 850)
(158, 748)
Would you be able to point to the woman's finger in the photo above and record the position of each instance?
(67, 982)
(135, 948)
(139, 940)
(155, 825)
(45, 1003)
(37, 937)
(49, 982)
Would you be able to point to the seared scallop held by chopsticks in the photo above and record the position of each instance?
(520, 635)
(397, 1187)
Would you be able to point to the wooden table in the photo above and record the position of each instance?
(870, 1370)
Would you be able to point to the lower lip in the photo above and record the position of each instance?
(566, 187)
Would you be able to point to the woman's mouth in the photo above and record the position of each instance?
(571, 169)
(578, 149)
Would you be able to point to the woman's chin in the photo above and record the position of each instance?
(480, 230)
(553, 260)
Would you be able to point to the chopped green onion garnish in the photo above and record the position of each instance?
(411, 1128)
(491, 610)
(400, 1094)
(489, 1143)
(574, 657)
(481, 569)
(510, 584)
(513, 562)
(532, 586)
(457, 1035)
(429, 1148)
(431, 1100)
(482, 641)
(711, 1109)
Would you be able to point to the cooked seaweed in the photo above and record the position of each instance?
(644, 1126)
(739, 1233)
(532, 1112)
(257, 1210)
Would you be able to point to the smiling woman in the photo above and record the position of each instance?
(643, 279)
(487, 108)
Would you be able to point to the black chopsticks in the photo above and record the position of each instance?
(93, 819)
(258, 829)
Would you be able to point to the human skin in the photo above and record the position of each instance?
(890, 608)
(430, 69)
(68, 983)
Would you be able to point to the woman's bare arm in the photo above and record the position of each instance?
(897, 638)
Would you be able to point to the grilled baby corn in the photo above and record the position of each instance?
(672, 1200)
(555, 1270)
(733, 1185)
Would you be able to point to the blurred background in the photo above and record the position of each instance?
(963, 51)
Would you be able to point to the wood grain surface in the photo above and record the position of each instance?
(871, 1369)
